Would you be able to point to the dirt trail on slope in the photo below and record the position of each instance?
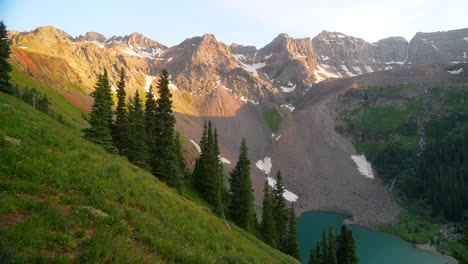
(317, 166)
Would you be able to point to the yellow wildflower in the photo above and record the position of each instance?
(49, 150)
(19, 162)
(131, 228)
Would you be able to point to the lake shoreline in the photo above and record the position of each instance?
(425, 247)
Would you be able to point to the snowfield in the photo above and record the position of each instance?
(264, 165)
(288, 106)
(456, 72)
(287, 194)
(224, 160)
(196, 146)
(363, 166)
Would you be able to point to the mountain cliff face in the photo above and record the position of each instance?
(238, 86)
(438, 47)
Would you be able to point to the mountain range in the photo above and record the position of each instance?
(281, 97)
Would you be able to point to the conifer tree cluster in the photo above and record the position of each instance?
(141, 131)
(278, 226)
(5, 67)
(335, 250)
(208, 172)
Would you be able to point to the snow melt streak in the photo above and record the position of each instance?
(363, 166)
(287, 194)
(264, 165)
(196, 145)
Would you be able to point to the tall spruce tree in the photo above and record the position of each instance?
(101, 114)
(280, 213)
(241, 193)
(324, 246)
(318, 254)
(268, 227)
(137, 149)
(5, 67)
(120, 133)
(150, 122)
(292, 246)
(208, 172)
(346, 251)
(163, 159)
(179, 156)
(331, 259)
(312, 256)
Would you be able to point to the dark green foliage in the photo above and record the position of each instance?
(5, 67)
(137, 149)
(241, 207)
(339, 250)
(268, 226)
(101, 114)
(208, 173)
(331, 259)
(120, 133)
(178, 153)
(313, 256)
(280, 213)
(346, 250)
(150, 121)
(442, 176)
(162, 158)
(292, 245)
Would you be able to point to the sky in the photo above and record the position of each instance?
(246, 22)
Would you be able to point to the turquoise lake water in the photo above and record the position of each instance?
(372, 247)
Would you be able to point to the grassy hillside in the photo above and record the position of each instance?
(65, 200)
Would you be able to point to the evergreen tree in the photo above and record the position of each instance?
(268, 227)
(241, 207)
(208, 173)
(101, 114)
(324, 247)
(120, 131)
(346, 251)
(292, 246)
(137, 149)
(150, 122)
(163, 159)
(5, 67)
(280, 213)
(312, 256)
(318, 254)
(179, 156)
(331, 248)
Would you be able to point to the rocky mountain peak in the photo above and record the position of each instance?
(91, 36)
(138, 41)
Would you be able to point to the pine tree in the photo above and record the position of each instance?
(218, 185)
(318, 254)
(163, 159)
(324, 247)
(208, 173)
(268, 228)
(150, 123)
(120, 133)
(241, 205)
(293, 247)
(346, 251)
(312, 256)
(331, 247)
(101, 114)
(179, 156)
(281, 213)
(137, 149)
(5, 67)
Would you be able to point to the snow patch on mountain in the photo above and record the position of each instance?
(288, 195)
(288, 106)
(363, 166)
(149, 80)
(320, 72)
(224, 160)
(264, 165)
(290, 88)
(347, 72)
(196, 145)
(456, 72)
(368, 68)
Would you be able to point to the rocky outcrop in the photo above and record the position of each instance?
(438, 47)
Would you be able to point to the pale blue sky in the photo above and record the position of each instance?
(254, 22)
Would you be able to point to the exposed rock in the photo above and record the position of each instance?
(13, 141)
